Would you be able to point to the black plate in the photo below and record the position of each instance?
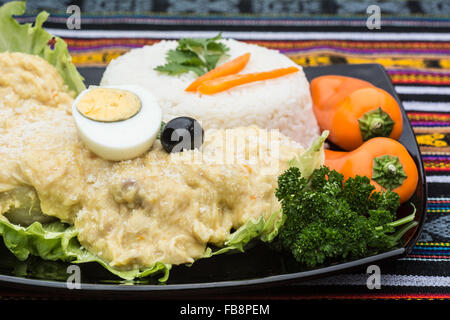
(259, 267)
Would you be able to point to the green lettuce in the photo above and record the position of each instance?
(26, 38)
(312, 158)
(254, 229)
(58, 241)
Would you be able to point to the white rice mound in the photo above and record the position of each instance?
(282, 103)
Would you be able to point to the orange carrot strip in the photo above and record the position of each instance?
(230, 81)
(230, 67)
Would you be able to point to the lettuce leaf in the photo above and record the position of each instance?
(58, 241)
(312, 158)
(254, 229)
(26, 38)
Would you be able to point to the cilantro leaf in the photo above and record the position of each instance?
(196, 55)
(173, 69)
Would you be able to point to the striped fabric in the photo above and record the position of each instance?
(416, 54)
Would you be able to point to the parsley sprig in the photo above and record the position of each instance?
(197, 55)
(329, 220)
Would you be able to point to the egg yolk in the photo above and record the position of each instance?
(108, 104)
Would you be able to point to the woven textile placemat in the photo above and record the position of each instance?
(413, 45)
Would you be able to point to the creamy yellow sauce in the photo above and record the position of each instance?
(159, 207)
(28, 79)
(108, 104)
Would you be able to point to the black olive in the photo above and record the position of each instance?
(182, 133)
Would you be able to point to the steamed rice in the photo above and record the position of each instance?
(283, 103)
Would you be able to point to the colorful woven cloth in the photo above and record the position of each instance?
(414, 47)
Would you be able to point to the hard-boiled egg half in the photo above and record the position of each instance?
(117, 122)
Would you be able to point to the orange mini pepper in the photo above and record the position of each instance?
(354, 110)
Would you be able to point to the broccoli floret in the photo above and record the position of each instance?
(328, 219)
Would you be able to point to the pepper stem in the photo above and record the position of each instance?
(388, 172)
(375, 123)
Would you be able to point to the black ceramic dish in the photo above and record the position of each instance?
(259, 267)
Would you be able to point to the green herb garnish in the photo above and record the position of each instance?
(197, 55)
(329, 220)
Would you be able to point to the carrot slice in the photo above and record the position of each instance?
(230, 81)
(230, 67)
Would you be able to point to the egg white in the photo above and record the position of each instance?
(125, 139)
